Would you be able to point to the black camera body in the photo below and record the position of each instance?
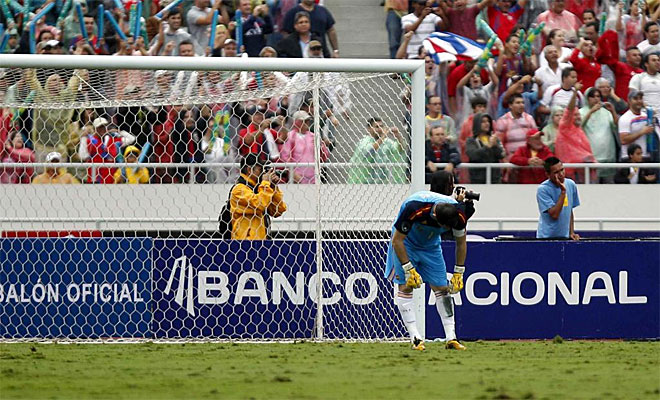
(469, 194)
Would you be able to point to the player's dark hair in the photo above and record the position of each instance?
(173, 12)
(632, 148)
(185, 42)
(549, 162)
(447, 214)
(646, 58)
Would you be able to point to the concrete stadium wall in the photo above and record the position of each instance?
(120, 207)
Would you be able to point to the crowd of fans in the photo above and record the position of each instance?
(585, 90)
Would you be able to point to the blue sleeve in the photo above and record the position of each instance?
(576, 198)
(409, 212)
(544, 199)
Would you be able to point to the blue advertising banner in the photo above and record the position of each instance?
(536, 290)
(269, 289)
(75, 288)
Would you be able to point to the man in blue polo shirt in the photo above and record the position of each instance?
(556, 197)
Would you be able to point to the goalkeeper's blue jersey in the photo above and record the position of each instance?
(415, 219)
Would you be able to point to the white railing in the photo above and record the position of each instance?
(587, 167)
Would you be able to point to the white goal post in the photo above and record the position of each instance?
(150, 265)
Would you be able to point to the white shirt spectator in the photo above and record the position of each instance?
(633, 123)
(646, 48)
(650, 86)
(199, 32)
(427, 27)
(548, 76)
(556, 96)
(563, 57)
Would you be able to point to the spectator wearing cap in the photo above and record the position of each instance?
(634, 126)
(299, 148)
(103, 146)
(49, 132)
(257, 23)
(321, 23)
(200, 17)
(296, 43)
(167, 41)
(652, 42)
(648, 82)
(15, 152)
(599, 121)
(623, 72)
(251, 138)
(254, 200)
(531, 157)
(557, 17)
(377, 147)
(51, 46)
(423, 21)
(12, 42)
(54, 175)
(635, 175)
(128, 174)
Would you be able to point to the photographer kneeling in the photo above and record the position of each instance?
(253, 200)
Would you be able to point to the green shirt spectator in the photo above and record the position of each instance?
(377, 148)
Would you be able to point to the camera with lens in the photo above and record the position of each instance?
(469, 194)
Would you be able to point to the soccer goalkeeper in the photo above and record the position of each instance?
(414, 256)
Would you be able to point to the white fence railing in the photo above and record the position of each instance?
(586, 167)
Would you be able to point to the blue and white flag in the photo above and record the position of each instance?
(445, 46)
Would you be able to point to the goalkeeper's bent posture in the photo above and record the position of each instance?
(415, 256)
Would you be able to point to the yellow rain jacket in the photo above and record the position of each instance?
(252, 206)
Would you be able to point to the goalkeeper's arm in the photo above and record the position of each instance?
(413, 280)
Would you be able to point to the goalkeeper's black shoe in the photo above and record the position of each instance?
(454, 345)
(418, 344)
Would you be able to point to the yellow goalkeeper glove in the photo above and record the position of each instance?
(457, 278)
(413, 279)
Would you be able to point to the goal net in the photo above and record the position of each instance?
(114, 180)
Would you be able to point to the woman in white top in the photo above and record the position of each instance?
(556, 38)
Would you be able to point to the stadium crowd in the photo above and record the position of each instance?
(577, 79)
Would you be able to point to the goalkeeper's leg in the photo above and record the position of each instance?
(404, 302)
(445, 306)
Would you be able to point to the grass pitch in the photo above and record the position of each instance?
(487, 370)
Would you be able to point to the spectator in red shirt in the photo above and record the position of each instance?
(587, 68)
(461, 17)
(532, 157)
(251, 139)
(503, 17)
(16, 152)
(623, 72)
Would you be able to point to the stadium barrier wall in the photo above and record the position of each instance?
(513, 290)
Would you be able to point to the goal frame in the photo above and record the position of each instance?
(416, 69)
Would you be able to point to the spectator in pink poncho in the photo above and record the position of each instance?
(16, 152)
(572, 144)
(299, 147)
